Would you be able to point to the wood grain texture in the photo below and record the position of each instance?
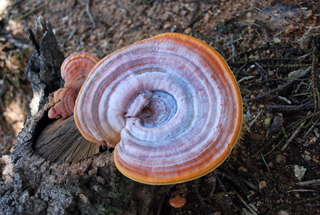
(61, 142)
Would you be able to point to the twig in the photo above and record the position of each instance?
(246, 78)
(245, 203)
(3, 85)
(32, 11)
(89, 13)
(252, 122)
(196, 19)
(273, 211)
(275, 146)
(266, 165)
(225, 190)
(262, 69)
(241, 185)
(301, 190)
(161, 203)
(316, 94)
(314, 181)
(284, 99)
(254, 187)
(278, 89)
(293, 135)
(263, 12)
(214, 182)
(304, 136)
(307, 105)
(232, 41)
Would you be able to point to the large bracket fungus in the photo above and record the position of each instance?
(169, 105)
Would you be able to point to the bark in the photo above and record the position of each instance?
(43, 70)
(54, 170)
(34, 185)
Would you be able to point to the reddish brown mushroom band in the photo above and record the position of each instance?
(169, 105)
(74, 71)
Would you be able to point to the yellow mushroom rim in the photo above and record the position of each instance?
(202, 76)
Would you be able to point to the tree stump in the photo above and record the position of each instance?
(35, 185)
(43, 70)
(61, 142)
(54, 170)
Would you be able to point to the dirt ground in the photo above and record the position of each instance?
(271, 46)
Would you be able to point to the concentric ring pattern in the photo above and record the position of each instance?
(169, 105)
(74, 71)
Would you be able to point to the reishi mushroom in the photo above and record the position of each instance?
(169, 105)
(74, 71)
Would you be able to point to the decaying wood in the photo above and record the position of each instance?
(43, 69)
(53, 169)
(35, 185)
(61, 141)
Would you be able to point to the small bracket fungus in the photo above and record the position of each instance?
(169, 105)
(74, 71)
(177, 201)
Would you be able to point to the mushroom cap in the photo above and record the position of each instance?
(177, 201)
(169, 104)
(74, 71)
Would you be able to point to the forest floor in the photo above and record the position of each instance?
(271, 46)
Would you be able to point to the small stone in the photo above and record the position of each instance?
(165, 16)
(313, 140)
(206, 18)
(309, 14)
(295, 74)
(276, 40)
(289, 29)
(82, 28)
(176, 8)
(307, 157)
(262, 184)
(280, 158)
(101, 180)
(237, 7)
(152, 11)
(187, 31)
(277, 123)
(271, 73)
(191, 7)
(299, 171)
(167, 25)
(271, 164)
(267, 121)
(305, 41)
(283, 212)
(242, 169)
